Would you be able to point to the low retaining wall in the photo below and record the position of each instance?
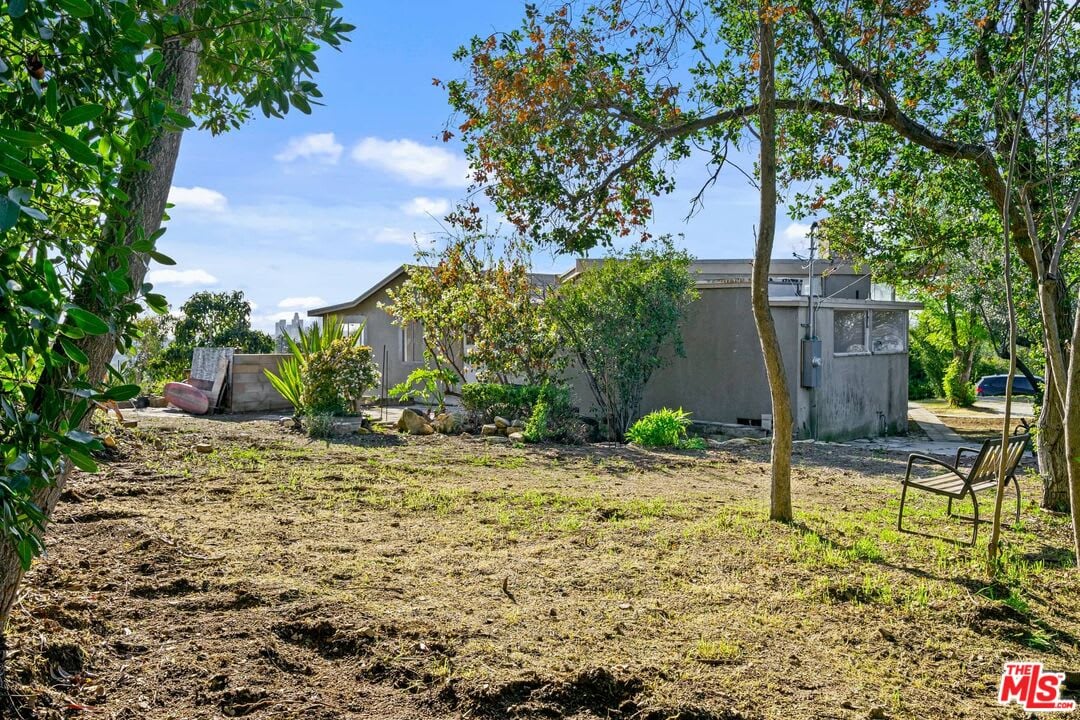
(251, 391)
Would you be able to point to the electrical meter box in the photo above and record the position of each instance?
(811, 363)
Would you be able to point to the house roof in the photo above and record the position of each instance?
(541, 281)
(329, 309)
(708, 273)
(731, 270)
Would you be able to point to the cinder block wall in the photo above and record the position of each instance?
(251, 391)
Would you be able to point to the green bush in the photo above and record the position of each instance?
(336, 376)
(427, 385)
(959, 393)
(329, 368)
(319, 425)
(661, 428)
(537, 426)
(485, 401)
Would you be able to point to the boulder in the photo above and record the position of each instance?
(519, 423)
(489, 430)
(204, 447)
(447, 423)
(158, 401)
(413, 423)
(426, 429)
(516, 437)
(502, 423)
(497, 439)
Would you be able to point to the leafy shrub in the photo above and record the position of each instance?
(319, 425)
(485, 401)
(427, 385)
(337, 375)
(536, 427)
(959, 393)
(328, 369)
(660, 428)
(617, 316)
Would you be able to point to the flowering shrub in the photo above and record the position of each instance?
(337, 375)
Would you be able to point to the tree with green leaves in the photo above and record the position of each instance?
(481, 309)
(618, 317)
(211, 319)
(96, 98)
(574, 121)
(142, 363)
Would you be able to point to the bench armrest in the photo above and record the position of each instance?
(927, 458)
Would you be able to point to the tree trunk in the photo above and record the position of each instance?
(780, 496)
(148, 190)
(1072, 434)
(1053, 453)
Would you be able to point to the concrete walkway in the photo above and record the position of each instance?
(936, 430)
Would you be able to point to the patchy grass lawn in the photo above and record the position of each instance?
(439, 577)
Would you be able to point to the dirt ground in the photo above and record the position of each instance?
(388, 578)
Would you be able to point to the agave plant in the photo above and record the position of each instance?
(289, 380)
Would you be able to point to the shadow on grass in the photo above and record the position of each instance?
(1004, 618)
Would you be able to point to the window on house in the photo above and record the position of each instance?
(356, 322)
(815, 283)
(849, 332)
(883, 292)
(412, 343)
(888, 331)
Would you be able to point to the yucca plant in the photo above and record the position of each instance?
(289, 380)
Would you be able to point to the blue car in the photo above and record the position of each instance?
(995, 385)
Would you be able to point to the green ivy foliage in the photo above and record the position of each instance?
(82, 96)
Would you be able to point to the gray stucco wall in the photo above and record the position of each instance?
(380, 333)
(722, 376)
(858, 392)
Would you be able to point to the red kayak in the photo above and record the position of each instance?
(187, 397)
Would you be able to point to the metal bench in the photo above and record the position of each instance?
(958, 482)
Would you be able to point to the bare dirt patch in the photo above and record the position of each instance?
(436, 577)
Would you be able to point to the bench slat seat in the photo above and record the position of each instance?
(959, 482)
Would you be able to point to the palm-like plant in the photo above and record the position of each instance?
(289, 380)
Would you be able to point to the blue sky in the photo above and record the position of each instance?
(312, 210)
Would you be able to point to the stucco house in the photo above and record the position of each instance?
(846, 358)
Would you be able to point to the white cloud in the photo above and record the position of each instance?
(301, 303)
(197, 198)
(796, 231)
(268, 321)
(422, 206)
(319, 147)
(418, 164)
(393, 236)
(180, 277)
